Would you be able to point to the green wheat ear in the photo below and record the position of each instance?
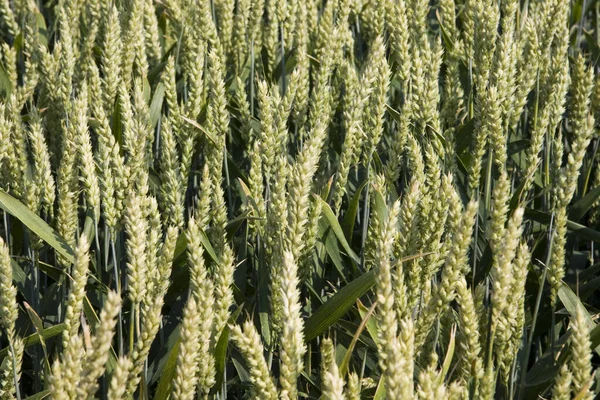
(400, 197)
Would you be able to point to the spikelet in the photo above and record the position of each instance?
(432, 225)
(299, 188)
(562, 384)
(8, 18)
(136, 227)
(202, 289)
(129, 377)
(172, 188)
(551, 110)
(502, 264)
(41, 162)
(223, 10)
(142, 138)
(488, 128)
(90, 15)
(11, 366)
(333, 384)
(151, 317)
(134, 50)
(354, 104)
(101, 342)
(488, 383)
(582, 122)
(111, 58)
(9, 59)
(310, 238)
(292, 339)
(268, 134)
(527, 66)
(30, 50)
(392, 361)
(67, 188)
(223, 273)
(25, 189)
(249, 342)
(376, 75)
(168, 79)
(510, 330)
(87, 166)
(455, 265)
(487, 15)
(111, 172)
(118, 383)
(469, 337)
(77, 293)
(393, 167)
(397, 24)
(299, 85)
(66, 372)
(217, 116)
(256, 186)
(580, 365)
(353, 389)
(186, 373)
(270, 33)
(430, 382)
(240, 31)
(67, 59)
(153, 241)
(193, 73)
(243, 108)
(153, 46)
(406, 245)
(274, 246)
(165, 259)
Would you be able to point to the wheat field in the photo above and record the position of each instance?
(284, 199)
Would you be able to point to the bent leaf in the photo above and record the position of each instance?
(36, 225)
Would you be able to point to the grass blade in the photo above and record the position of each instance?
(36, 224)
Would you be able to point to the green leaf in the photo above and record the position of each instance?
(379, 206)
(166, 379)
(92, 317)
(449, 353)
(595, 336)
(380, 392)
(464, 136)
(372, 327)
(200, 128)
(546, 367)
(38, 396)
(5, 83)
(578, 210)
(351, 211)
(365, 320)
(35, 338)
(330, 312)
(50, 270)
(36, 225)
(181, 247)
(337, 306)
(220, 352)
(333, 251)
(19, 276)
(42, 30)
(337, 229)
(572, 303)
(39, 328)
(263, 306)
(577, 229)
(156, 105)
